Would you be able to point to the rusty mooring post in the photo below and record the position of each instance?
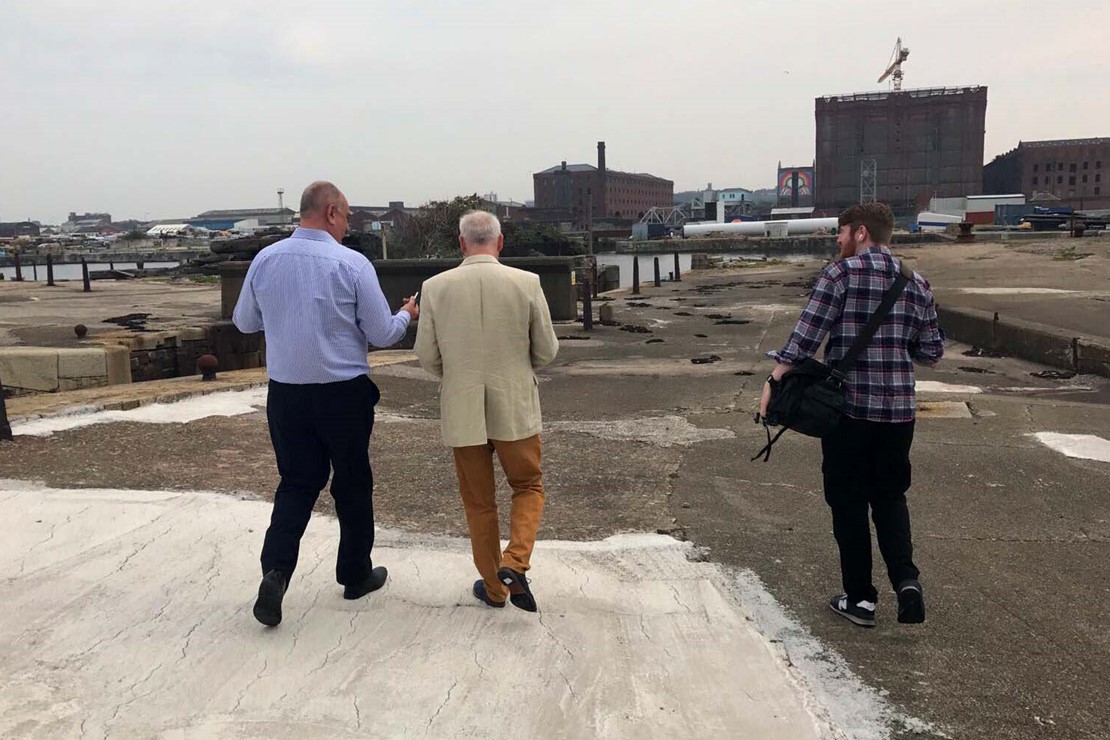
(635, 275)
(658, 282)
(18, 268)
(50, 270)
(677, 271)
(85, 275)
(5, 427)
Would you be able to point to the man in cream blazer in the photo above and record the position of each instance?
(484, 329)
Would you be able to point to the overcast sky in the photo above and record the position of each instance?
(160, 109)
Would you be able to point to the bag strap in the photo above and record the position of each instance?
(765, 453)
(844, 366)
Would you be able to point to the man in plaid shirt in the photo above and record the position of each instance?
(866, 463)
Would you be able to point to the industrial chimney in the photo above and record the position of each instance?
(601, 155)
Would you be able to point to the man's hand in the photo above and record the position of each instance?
(766, 399)
(411, 307)
(780, 369)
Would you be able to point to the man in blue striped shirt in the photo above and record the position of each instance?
(320, 304)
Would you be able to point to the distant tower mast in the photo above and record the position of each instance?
(281, 204)
(894, 70)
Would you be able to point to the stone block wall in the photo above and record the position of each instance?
(49, 369)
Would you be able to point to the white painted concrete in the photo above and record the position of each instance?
(1015, 291)
(228, 403)
(127, 614)
(935, 386)
(1083, 446)
(661, 431)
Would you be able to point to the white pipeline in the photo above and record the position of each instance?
(794, 227)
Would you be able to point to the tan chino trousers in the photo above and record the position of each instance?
(520, 460)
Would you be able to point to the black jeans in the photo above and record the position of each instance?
(867, 464)
(316, 429)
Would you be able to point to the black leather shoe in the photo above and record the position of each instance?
(481, 595)
(267, 609)
(373, 582)
(519, 593)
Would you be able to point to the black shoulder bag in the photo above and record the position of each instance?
(811, 396)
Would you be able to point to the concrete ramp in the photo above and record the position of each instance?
(127, 614)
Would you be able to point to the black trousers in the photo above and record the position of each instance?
(321, 429)
(866, 464)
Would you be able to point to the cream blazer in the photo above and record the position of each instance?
(484, 328)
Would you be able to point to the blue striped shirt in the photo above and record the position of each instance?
(320, 304)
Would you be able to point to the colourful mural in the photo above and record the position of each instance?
(795, 186)
(805, 181)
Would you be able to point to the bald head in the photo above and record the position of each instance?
(480, 233)
(324, 207)
(318, 196)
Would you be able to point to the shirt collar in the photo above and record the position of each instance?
(316, 235)
(476, 258)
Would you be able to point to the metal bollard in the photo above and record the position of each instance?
(85, 275)
(658, 282)
(50, 270)
(18, 268)
(677, 270)
(34, 271)
(587, 307)
(112, 266)
(595, 281)
(635, 275)
(5, 427)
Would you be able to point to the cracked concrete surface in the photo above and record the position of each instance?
(128, 615)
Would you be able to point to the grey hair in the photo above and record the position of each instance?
(479, 228)
(318, 196)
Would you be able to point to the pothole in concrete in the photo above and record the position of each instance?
(977, 351)
(683, 313)
(983, 370)
(654, 341)
(705, 360)
(638, 304)
(943, 410)
(634, 329)
(743, 373)
(1054, 374)
(701, 336)
(132, 321)
(735, 322)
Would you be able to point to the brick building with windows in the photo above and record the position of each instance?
(1064, 171)
(565, 192)
(901, 147)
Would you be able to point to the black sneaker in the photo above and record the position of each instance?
(267, 609)
(519, 592)
(373, 582)
(482, 595)
(861, 613)
(911, 602)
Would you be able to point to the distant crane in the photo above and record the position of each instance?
(901, 53)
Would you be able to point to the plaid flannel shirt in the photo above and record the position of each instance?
(881, 385)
